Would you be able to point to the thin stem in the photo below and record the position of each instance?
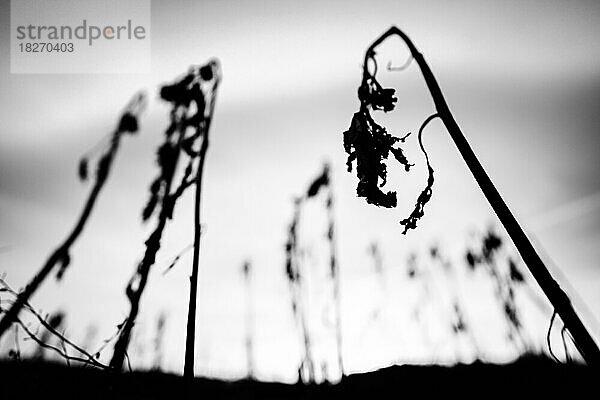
(294, 279)
(335, 272)
(247, 271)
(177, 257)
(548, 342)
(188, 369)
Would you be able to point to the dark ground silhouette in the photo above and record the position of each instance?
(526, 376)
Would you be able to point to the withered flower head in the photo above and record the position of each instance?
(370, 144)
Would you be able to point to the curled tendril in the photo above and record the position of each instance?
(411, 221)
(402, 67)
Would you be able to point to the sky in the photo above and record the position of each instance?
(522, 79)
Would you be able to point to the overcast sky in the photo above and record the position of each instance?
(521, 77)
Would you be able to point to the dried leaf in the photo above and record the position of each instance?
(510, 311)
(83, 169)
(515, 274)
(369, 144)
(422, 200)
(206, 72)
(150, 207)
(64, 261)
(178, 92)
(155, 186)
(471, 259)
(372, 94)
(128, 123)
(167, 154)
(187, 145)
(491, 243)
(399, 155)
(321, 181)
(56, 320)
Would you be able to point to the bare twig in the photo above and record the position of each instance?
(61, 353)
(177, 257)
(64, 347)
(49, 328)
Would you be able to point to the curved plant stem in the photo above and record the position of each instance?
(555, 294)
(249, 320)
(306, 368)
(60, 256)
(134, 292)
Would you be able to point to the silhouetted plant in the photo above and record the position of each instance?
(334, 269)
(210, 74)
(378, 317)
(15, 354)
(90, 336)
(369, 144)
(249, 342)
(55, 321)
(450, 309)
(50, 326)
(161, 323)
(128, 124)
(411, 266)
(377, 259)
(322, 183)
(188, 113)
(422, 276)
(505, 279)
(564, 333)
(458, 322)
(375, 254)
(306, 371)
(106, 342)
